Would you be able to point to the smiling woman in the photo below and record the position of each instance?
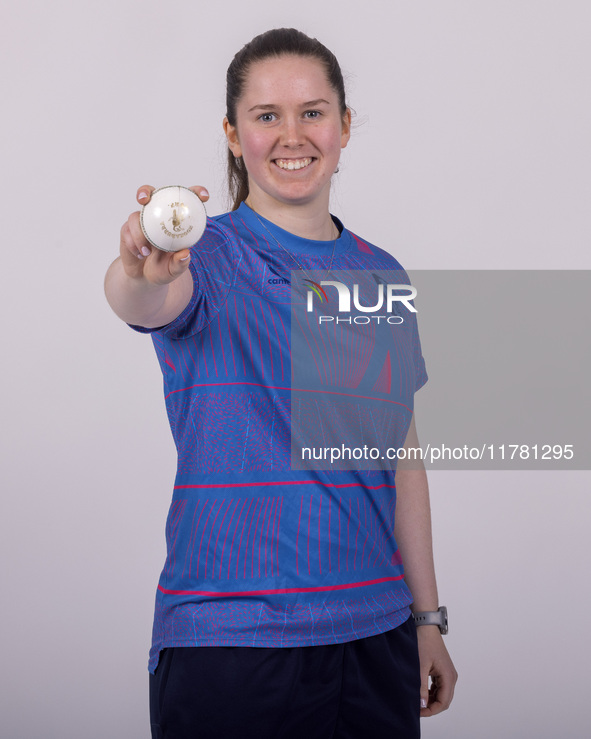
(284, 606)
(289, 131)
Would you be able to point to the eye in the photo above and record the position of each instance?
(312, 114)
(267, 117)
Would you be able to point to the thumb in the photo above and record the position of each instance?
(179, 262)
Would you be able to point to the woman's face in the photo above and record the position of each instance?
(289, 132)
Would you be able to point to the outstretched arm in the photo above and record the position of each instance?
(413, 534)
(145, 286)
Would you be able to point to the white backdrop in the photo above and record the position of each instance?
(471, 150)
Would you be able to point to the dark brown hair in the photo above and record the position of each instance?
(274, 43)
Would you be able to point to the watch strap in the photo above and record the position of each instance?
(433, 618)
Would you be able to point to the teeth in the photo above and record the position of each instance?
(293, 163)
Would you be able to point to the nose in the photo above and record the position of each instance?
(292, 135)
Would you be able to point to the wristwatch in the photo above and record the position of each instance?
(432, 618)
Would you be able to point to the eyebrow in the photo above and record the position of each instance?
(309, 104)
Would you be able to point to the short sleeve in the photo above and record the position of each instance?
(421, 376)
(214, 262)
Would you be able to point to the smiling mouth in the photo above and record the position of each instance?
(292, 164)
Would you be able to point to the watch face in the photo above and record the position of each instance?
(174, 219)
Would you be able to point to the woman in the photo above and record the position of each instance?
(282, 610)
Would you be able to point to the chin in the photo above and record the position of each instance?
(300, 195)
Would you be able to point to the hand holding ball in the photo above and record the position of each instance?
(174, 219)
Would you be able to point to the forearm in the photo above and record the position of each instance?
(413, 531)
(413, 536)
(142, 303)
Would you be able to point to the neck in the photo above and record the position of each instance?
(310, 220)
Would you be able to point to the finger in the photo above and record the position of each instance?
(128, 244)
(433, 706)
(445, 690)
(144, 194)
(424, 689)
(201, 192)
(132, 260)
(440, 695)
(141, 244)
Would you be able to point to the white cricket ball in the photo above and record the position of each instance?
(174, 219)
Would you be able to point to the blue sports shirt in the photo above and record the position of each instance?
(260, 554)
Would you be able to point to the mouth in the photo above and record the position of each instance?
(293, 164)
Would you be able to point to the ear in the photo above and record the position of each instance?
(346, 129)
(232, 138)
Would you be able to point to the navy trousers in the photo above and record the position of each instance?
(363, 689)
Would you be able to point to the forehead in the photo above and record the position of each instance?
(289, 77)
